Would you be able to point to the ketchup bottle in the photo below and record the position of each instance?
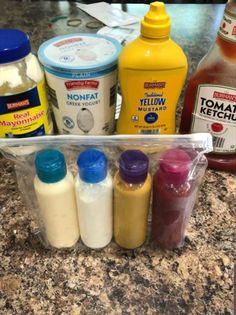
(210, 100)
(174, 196)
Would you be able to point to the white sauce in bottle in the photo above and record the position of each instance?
(94, 195)
(54, 187)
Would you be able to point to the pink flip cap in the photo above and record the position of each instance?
(175, 165)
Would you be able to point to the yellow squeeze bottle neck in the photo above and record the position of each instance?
(156, 23)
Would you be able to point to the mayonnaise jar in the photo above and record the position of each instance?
(81, 72)
(24, 108)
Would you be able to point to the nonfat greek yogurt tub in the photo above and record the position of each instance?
(81, 72)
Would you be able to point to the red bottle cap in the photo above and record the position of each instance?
(175, 165)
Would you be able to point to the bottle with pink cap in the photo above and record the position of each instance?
(173, 199)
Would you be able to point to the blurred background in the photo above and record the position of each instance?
(134, 1)
(166, 1)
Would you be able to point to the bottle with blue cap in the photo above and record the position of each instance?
(94, 195)
(24, 110)
(54, 188)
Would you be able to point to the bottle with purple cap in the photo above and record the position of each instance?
(173, 199)
(132, 189)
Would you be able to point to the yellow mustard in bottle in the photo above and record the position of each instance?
(152, 71)
(24, 110)
(132, 191)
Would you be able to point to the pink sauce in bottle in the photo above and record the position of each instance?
(173, 199)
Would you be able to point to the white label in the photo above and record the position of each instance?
(80, 51)
(228, 27)
(84, 106)
(215, 112)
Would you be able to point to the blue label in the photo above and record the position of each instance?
(151, 118)
(14, 103)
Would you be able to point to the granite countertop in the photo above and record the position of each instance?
(197, 279)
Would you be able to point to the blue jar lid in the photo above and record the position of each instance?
(14, 45)
(50, 165)
(92, 165)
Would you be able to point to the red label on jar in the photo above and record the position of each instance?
(81, 84)
(224, 96)
(154, 85)
(20, 104)
(67, 41)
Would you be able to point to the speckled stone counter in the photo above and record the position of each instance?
(197, 279)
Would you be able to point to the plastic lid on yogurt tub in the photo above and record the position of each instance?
(79, 52)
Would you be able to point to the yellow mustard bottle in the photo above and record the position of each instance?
(152, 71)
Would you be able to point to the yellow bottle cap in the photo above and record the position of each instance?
(156, 23)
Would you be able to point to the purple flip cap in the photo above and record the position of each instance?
(175, 165)
(133, 166)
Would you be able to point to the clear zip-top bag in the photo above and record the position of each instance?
(94, 189)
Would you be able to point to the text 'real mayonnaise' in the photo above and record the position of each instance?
(81, 71)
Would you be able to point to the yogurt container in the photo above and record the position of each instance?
(81, 72)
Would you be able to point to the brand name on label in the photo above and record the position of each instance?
(82, 84)
(224, 96)
(19, 104)
(154, 85)
(67, 41)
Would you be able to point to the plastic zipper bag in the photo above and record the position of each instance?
(23, 151)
